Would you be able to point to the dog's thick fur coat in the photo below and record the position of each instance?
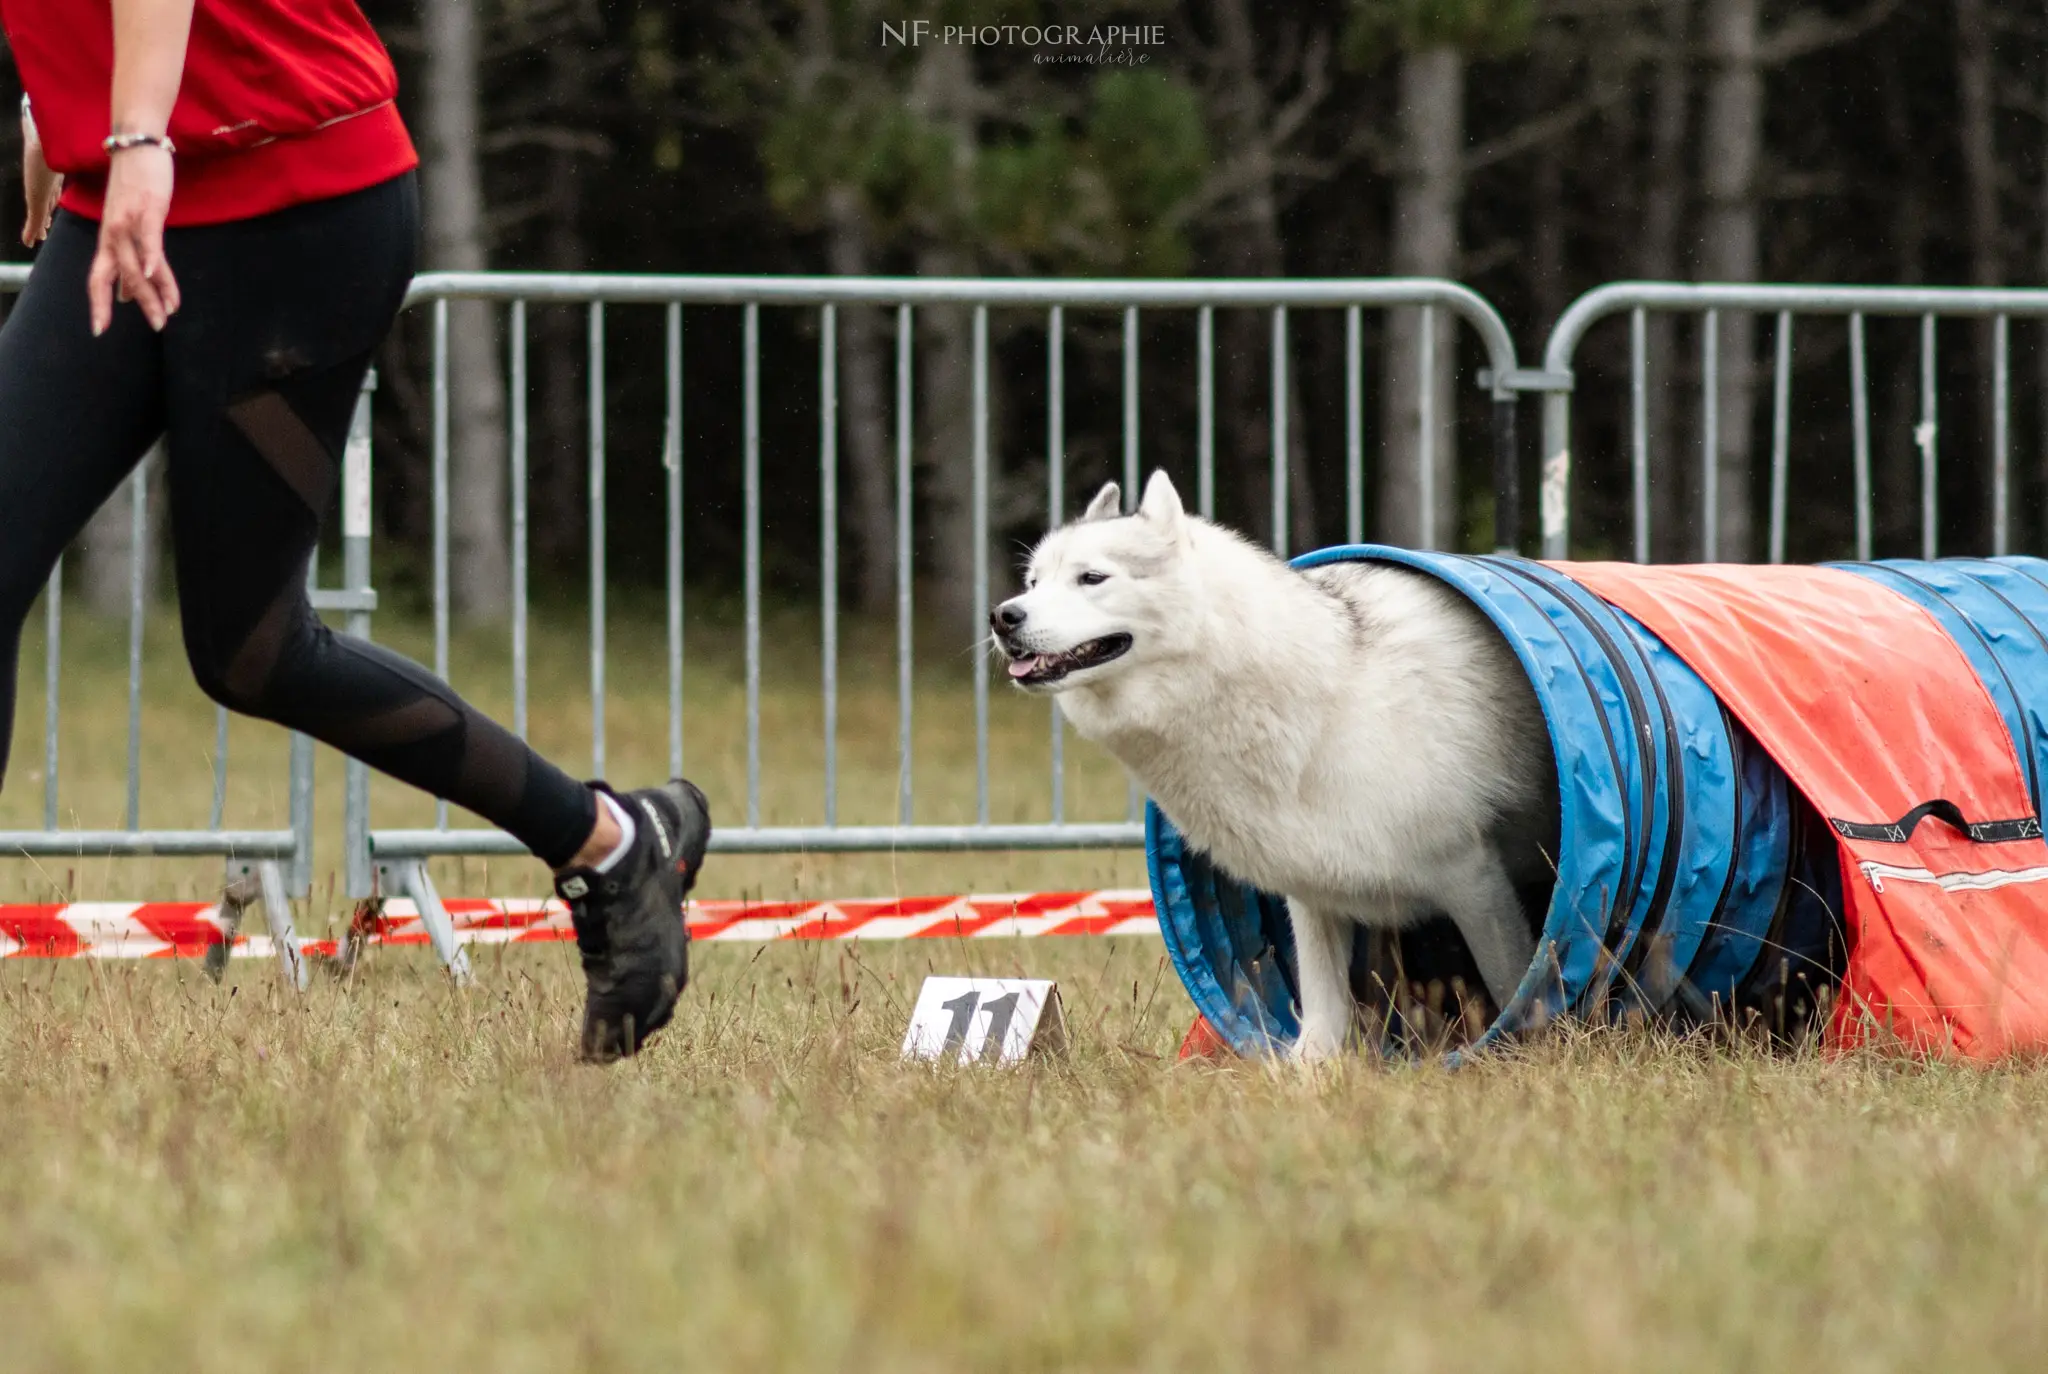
(1357, 737)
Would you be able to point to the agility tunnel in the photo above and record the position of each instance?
(1805, 796)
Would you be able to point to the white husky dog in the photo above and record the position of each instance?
(1357, 737)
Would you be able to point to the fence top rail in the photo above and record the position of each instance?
(1616, 297)
(649, 289)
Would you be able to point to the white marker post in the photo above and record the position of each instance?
(985, 1020)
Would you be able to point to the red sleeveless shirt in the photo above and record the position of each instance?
(282, 102)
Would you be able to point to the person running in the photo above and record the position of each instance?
(227, 209)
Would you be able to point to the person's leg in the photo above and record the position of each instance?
(263, 365)
(76, 415)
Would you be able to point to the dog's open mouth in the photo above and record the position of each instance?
(1035, 670)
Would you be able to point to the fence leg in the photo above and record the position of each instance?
(1507, 478)
(409, 876)
(234, 900)
(265, 884)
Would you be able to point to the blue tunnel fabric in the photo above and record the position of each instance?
(1692, 880)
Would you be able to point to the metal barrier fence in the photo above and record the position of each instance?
(398, 856)
(271, 866)
(1785, 303)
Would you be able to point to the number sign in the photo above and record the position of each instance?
(985, 1020)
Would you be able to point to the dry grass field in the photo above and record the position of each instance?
(390, 1174)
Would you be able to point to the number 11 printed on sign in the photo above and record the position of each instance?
(989, 1020)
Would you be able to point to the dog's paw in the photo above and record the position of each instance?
(1316, 1045)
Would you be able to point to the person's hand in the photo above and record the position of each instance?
(41, 184)
(131, 251)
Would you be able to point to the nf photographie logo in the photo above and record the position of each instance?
(1100, 43)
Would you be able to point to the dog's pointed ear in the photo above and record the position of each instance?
(1162, 502)
(1107, 505)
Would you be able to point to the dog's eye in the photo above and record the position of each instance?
(1092, 579)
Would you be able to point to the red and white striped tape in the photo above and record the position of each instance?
(170, 930)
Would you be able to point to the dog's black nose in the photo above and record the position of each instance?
(1007, 616)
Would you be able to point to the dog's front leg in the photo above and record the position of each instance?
(1322, 963)
(1475, 892)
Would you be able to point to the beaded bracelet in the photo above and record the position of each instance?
(115, 143)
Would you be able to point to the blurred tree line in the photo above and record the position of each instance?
(1531, 148)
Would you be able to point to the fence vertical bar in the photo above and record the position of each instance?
(1554, 500)
(752, 552)
(1205, 412)
(517, 475)
(1710, 437)
(138, 574)
(1055, 508)
(358, 878)
(358, 874)
(1781, 446)
(978, 626)
(217, 813)
(672, 466)
(519, 517)
(828, 545)
(53, 638)
(905, 325)
(300, 878)
(595, 404)
(1131, 488)
(1927, 435)
(1280, 464)
(1354, 425)
(1425, 447)
(1639, 428)
(440, 510)
(1507, 474)
(1859, 416)
(2001, 437)
(1132, 493)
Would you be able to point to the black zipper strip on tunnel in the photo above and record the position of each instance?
(1606, 733)
(1618, 917)
(2026, 740)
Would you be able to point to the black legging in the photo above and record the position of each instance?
(252, 383)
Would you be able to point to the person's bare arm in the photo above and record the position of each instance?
(149, 63)
(41, 185)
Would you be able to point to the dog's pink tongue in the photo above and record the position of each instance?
(1021, 667)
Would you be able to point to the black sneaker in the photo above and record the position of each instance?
(629, 921)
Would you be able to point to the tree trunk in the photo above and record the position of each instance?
(108, 539)
(452, 178)
(1672, 532)
(1975, 74)
(1731, 145)
(945, 414)
(1895, 482)
(1425, 244)
(863, 412)
(558, 461)
(1256, 249)
(944, 89)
